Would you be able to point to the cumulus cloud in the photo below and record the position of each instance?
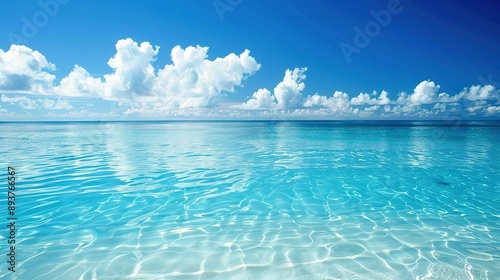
(25, 70)
(80, 83)
(441, 107)
(12, 100)
(193, 81)
(316, 101)
(480, 93)
(288, 92)
(338, 102)
(133, 70)
(286, 95)
(261, 99)
(493, 110)
(425, 93)
(192, 84)
(365, 98)
(372, 108)
(58, 104)
(81, 114)
(22, 101)
(475, 109)
(27, 103)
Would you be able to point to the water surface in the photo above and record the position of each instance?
(254, 200)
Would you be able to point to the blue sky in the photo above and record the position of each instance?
(245, 59)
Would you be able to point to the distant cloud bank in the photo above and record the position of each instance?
(195, 86)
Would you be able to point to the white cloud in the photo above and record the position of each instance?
(492, 110)
(316, 101)
(261, 99)
(444, 97)
(30, 104)
(58, 104)
(12, 100)
(81, 114)
(362, 98)
(288, 95)
(22, 101)
(480, 93)
(407, 109)
(288, 92)
(424, 93)
(383, 99)
(192, 85)
(193, 81)
(475, 109)
(372, 108)
(365, 98)
(427, 93)
(441, 107)
(337, 103)
(402, 98)
(23, 70)
(80, 83)
(133, 72)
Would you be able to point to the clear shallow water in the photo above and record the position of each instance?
(253, 200)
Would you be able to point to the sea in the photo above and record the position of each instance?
(250, 200)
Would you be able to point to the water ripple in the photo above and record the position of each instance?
(254, 201)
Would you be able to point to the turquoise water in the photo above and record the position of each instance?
(253, 200)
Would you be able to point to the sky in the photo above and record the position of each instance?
(243, 59)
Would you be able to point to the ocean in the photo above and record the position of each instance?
(250, 200)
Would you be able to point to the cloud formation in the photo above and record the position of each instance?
(80, 83)
(193, 85)
(426, 93)
(337, 103)
(426, 100)
(25, 70)
(480, 93)
(133, 74)
(27, 103)
(288, 92)
(192, 81)
(365, 98)
(286, 95)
